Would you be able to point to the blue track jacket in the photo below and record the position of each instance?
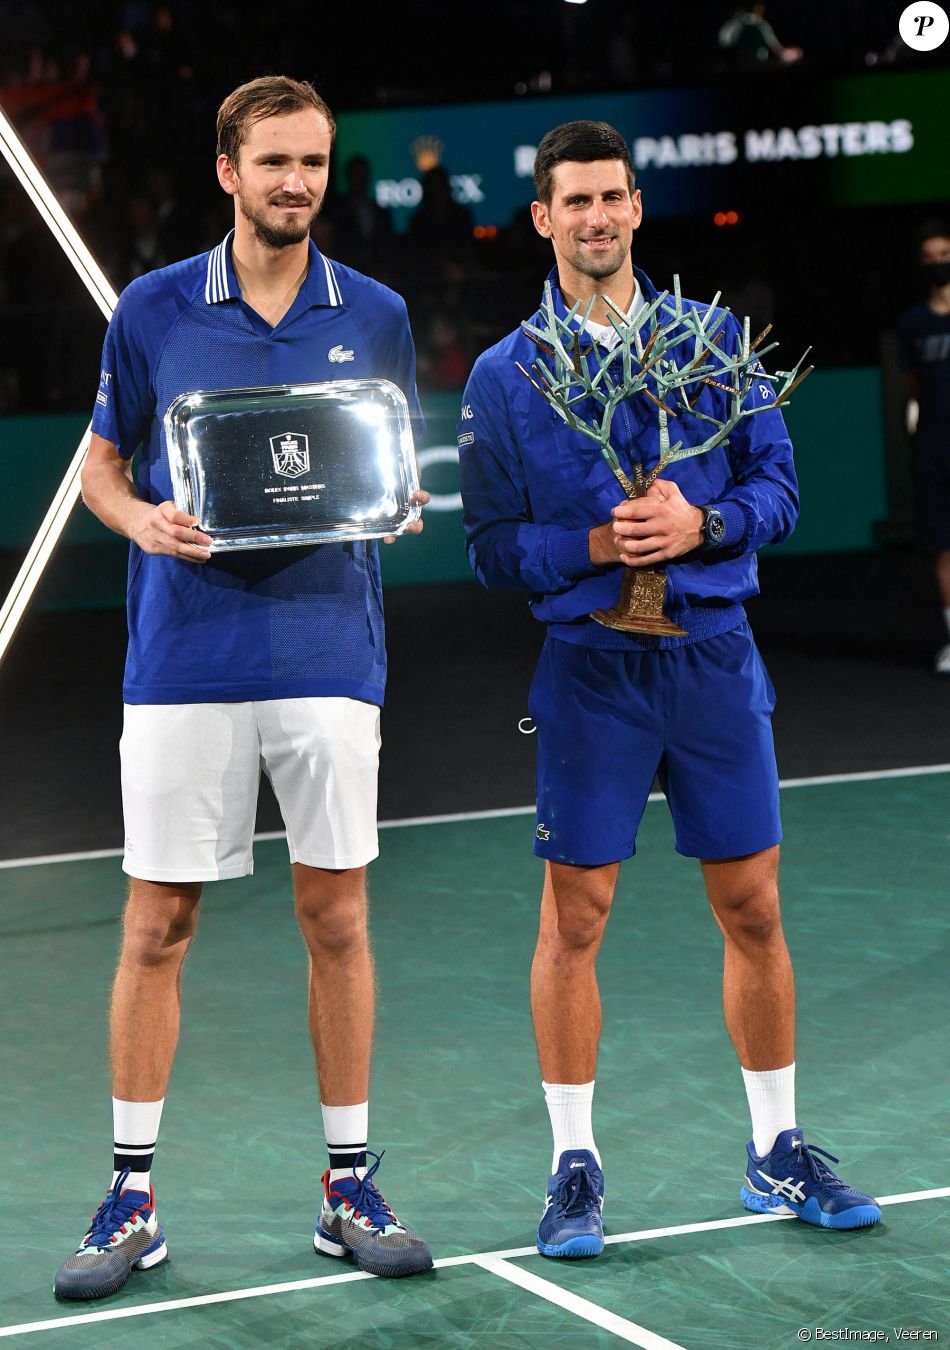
(533, 488)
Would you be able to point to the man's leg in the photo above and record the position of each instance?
(158, 924)
(758, 987)
(332, 910)
(783, 1175)
(942, 569)
(565, 1005)
(942, 572)
(565, 1000)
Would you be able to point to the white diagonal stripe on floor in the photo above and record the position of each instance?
(199, 1301)
(573, 1303)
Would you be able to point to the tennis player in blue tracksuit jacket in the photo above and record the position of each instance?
(545, 514)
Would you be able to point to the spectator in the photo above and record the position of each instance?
(750, 40)
(362, 229)
(924, 337)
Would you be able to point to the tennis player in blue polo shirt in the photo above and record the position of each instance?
(272, 657)
(613, 709)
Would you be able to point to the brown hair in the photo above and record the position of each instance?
(269, 96)
(578, 142)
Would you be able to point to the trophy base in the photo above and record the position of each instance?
(640, 607)
(657, 624)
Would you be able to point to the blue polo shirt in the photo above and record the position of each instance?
(265, 623)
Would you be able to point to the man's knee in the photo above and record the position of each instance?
(159, 923)
(744, 895)
(331, 908)
(577, 906)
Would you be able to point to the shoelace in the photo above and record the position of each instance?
(365, 1200)
(110, 1215)
(820, 1172)
(576, 1193)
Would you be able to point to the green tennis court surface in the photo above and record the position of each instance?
(457, 1104)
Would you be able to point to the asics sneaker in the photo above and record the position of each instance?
(124, 1233)
(792, 1180)
(572, 1224)
(356, 1220)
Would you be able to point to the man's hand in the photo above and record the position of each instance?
(651, 529)
(165, 529)
(422, 497)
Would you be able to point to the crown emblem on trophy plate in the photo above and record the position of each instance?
(290, 452)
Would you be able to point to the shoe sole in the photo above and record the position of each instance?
(147, 1261)
(860, 1216)
(415, 1265)
(575, 1248)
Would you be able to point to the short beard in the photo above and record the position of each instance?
(590, 268)
(292, 231)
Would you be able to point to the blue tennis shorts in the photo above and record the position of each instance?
(697, 717)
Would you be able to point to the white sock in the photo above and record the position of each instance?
(134, 1136)
(772, 1103)
(569, 1106)
(346, 1129)
(946, 617)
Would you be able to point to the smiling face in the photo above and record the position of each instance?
(590, 220)
(280, 177)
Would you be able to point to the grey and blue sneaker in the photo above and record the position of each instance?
(572, 1223)
(124, 1233)
(356, 1221)
(792, 1180)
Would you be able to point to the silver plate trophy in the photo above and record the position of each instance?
(294, 463)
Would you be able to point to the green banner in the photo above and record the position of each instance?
(875, 138)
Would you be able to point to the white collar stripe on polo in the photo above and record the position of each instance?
(223, 286)
(333, 289)
(208, 278)
(217, 282)
(221, 276)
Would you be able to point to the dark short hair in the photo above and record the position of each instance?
(581, 143)
(269, 96)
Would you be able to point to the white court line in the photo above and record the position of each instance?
(869, 776)
(581, 1307)
(475, 1258)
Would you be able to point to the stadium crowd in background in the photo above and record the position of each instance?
(107, 101)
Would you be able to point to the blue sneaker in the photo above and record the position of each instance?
(791, 1180)
(356, 1221)
(572, 1224)
(124, 1233)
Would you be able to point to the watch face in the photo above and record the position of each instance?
(714, 528)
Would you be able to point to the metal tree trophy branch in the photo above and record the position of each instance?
(603, 379)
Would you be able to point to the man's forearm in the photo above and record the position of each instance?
(110, 494)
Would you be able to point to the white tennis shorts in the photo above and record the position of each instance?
(191, 773)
